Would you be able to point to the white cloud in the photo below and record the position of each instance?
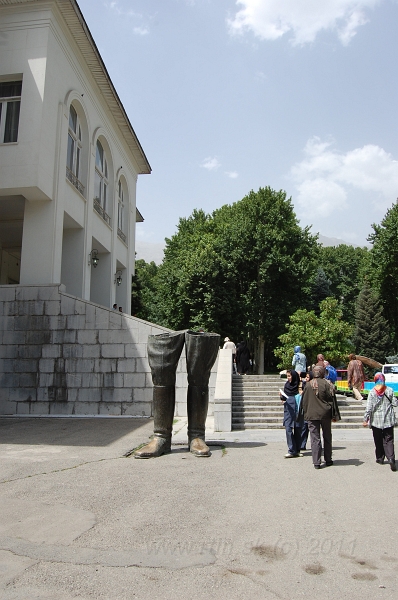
(117, 7)
(211, 163)
(260, 76)
(326, 179)
(303, 19)
(231, 174)
(141, 30)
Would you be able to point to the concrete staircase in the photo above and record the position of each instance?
(256, 404)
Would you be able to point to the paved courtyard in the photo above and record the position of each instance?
(80, 520)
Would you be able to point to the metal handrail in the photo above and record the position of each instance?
(74, 180)
(121, 235)
(99, 209)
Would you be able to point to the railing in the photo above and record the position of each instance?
(74, 181)
(121, 235)
(101, 212)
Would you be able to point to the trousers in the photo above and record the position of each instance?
(384, 443)
(316, 444)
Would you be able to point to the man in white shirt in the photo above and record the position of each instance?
(231, 346)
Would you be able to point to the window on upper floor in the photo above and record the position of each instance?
(120, 207)
(10, 104)
(120, 212)
(101, 183)
(74, 152)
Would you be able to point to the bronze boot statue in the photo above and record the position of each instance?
(164, 351)
(201, 351)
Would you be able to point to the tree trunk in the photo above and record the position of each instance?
(260, 356)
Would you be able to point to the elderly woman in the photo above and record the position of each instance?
(380, 416)
(320, 409)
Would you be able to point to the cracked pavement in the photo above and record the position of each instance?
(80, 520)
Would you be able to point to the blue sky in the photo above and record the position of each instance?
(227, 96)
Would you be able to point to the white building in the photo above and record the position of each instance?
(69, 158)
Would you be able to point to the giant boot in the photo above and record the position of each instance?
(201, 351)
(164, 351)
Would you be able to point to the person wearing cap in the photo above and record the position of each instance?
(228, 345)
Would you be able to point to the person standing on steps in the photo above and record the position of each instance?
(242, 358)
(355, 376)
(380, 416)
(299, 362)
(231, 346)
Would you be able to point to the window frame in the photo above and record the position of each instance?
(74, 157)
(121, 212)
(101, 183)
(5, 113)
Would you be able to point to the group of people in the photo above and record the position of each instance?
(314, 407)
(116, 308)
(308, 412)
(241, 357)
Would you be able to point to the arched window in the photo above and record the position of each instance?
(120, 213)
(73, 166)
(101, 183)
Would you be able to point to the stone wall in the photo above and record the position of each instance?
(60, 355)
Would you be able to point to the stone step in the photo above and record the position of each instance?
(244, 382)
(242, 427)
(276, 407)
(256, 404)
(248, 395)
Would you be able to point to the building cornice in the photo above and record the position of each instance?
(80, 32)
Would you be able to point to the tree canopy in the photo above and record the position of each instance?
(384, 266)
(247, 268)
(371, 336)
(327, 334)
(240, 271)
(344, 267)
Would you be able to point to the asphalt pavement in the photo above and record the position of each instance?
(80, 519)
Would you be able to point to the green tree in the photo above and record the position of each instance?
(320, 289)
(240, 271)
(327, 333)
(143, 290)
(344, 267)
(371, 337)
(384, 266)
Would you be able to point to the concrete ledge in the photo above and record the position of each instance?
(223, 392)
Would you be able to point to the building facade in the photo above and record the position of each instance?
(69, 158)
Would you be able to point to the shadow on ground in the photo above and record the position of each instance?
(67, 432)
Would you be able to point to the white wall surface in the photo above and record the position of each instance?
(38, 45)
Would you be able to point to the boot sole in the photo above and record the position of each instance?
(151, 455)
(201, 455)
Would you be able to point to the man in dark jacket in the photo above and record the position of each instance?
(320, 409)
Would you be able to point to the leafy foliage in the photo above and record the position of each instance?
(143, 289)
(345, 267)
(327, 334)
(240, 271)
(384, 266)
(371, 336)
(320, 289)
